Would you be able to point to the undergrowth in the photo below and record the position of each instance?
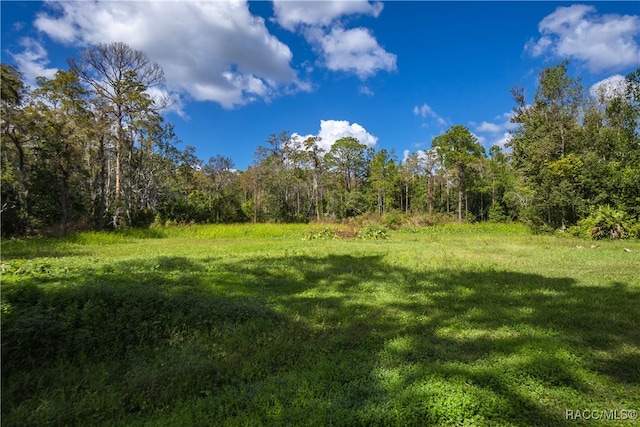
(606, 222)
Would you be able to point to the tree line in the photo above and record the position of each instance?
(89, 149)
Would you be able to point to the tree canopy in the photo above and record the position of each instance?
(90, 149)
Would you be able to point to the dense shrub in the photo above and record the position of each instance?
(427, 220)
(497, 213)
(373, 232)
(325, 233)
(606, 222)
(393, 219)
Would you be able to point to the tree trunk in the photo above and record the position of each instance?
(317, 191)
(116, 216)
(65, 201)
(430, 193)
(103, 185)
(460, 194)
(24, 191)
(406, 197)
(466, 204)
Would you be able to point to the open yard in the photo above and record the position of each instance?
(478, 325)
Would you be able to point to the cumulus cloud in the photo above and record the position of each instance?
(427, 159)
(488, 127)
(420, 154)
(503, 123)
(301, 138)
(425, 111)
(294, 14)
(33, 60)
(502, 142)
(602, 42)
(481, 139)
(171, 102)
(612, 87)
(498, 133)
(405, 155)
(213, 51)
(333, 130)
(354, 50)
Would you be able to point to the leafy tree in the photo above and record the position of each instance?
(63, 126)
(347, 159)
(119, 77)
(347, 165)
(548, 126)
(574, 154)
(501, 180)
(618, 147)
(549, 131)
(223, 187)
(408, 175)
(383, 179)
(251, 182)
(459, 150)
(276, 165)
(314, 161)
(15, 123)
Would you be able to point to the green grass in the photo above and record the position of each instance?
(482, 325)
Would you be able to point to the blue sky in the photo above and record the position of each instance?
(392, 74)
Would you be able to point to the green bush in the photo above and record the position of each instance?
(393, 219)
(325, 233)
(497, 213)
(634, 230)
(605, 222)
(428, 220)
(373, 232)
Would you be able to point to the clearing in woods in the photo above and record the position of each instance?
(255, 325)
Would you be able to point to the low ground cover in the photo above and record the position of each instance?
(256, 325)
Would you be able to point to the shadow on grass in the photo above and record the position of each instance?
(338, 340)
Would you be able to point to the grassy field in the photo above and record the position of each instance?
(475, 325)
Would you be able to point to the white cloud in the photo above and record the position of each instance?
(333, 130)
(405, 155)
(494, 128)
(501, 142)
(537, 48)
(214, 51)
(508, 115)
(427, 159)
(609, 88)
(481, 139)
(301, 138)
(421, 154)
(33, 60)
(353, 50)
(293, 14)
(603, 42)
(172, 101)
(498, 133)
(488, 127)
(364, 90)
(425, 111)
(422, 111)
